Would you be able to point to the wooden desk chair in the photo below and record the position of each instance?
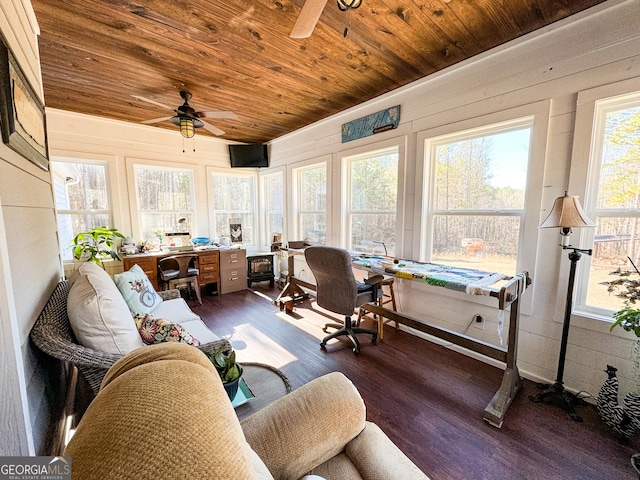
(179, 271)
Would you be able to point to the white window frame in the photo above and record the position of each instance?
(253, 177)
(294, 219)
(136, 222)
(585, 166)
(367, 151)
(264, 211)
(109, 211)
(528, 237)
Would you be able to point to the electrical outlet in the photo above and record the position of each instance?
(478, 321)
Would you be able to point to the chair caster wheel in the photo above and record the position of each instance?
(356, 350)
(323, 345)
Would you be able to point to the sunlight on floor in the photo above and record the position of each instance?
(278, 355)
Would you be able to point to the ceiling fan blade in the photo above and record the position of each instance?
(212, 129)
(156, 120)
(218, 114)
(309, 16)
(148, 100)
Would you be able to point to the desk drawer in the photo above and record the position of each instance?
(208, 259)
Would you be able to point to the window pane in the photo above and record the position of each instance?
(369, 230)
(233, 198)
(223, 228)
(232, 193)
(619, 185)
(274, 188)
(154, 224)
(313, 227)
(163, 189)
(69, 225)
(80, 186)
(617, 213)
(482, 242)
(484, 173)
(374, 183)
(313, 189)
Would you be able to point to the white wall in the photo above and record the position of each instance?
(29, 260)
(597, 47)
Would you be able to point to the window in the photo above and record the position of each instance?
(372, 191)
(233, 201)
(82, 200)
(272, 205)
(612, 200)
(165, 200)
(311, 203)
(476, 196)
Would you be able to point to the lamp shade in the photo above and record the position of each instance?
(567, 213)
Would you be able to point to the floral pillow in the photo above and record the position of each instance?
(158, 330)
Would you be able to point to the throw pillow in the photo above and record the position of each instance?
(157, 330)
(137, 290)
(99, 316)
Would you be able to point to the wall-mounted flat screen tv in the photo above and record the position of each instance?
(253, 155)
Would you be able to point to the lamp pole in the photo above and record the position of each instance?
(555, 394)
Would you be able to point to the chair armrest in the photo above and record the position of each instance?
(321, 417)
(376, 456)
(169, 294)
(374, 280)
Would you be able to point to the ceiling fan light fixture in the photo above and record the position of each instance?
(187, 130)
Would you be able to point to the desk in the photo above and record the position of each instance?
(208, 264)
(472, 282)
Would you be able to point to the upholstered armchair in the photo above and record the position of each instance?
(162, 412)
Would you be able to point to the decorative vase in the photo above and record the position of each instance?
(232, 387)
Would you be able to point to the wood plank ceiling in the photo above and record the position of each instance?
(237, 55)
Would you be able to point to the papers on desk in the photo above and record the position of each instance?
(244, 394)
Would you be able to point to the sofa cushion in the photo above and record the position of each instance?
(99, 316)
(137, 290)
(175, 310)
(157, 330)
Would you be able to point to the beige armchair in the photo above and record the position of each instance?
(162, 413)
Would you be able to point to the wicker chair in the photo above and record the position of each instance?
(53, 335)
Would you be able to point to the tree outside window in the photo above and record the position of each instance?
(615, 197)
(312, 203)
(164, 197)
(372, 201)
(233, 198)
(81, 198)
(273, 205)
(477, 196)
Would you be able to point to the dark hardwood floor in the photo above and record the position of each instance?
(428, 399)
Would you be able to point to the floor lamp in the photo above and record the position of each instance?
(565, 214)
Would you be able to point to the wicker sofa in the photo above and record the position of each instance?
(52, 333)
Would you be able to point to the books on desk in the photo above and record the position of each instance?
(244, 394)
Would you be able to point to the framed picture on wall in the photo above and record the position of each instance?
(22, 120)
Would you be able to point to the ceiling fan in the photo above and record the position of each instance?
(310, 14)
(187, 118)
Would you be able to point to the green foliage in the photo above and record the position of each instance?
(625, 287)
(96, 244)
(225, 364)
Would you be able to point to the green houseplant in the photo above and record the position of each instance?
(96, 244)
(230, 372)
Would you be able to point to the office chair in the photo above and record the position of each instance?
(180, 270)
(338, 291)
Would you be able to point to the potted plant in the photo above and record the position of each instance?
(230, 372)
(96, 244)
(623, 417)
